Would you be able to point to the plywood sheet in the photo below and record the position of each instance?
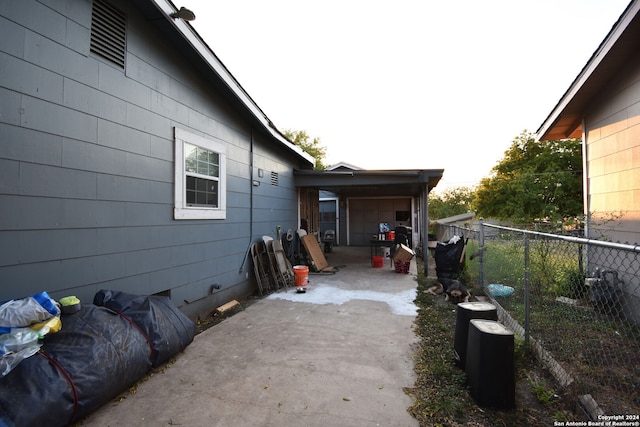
(315, 253)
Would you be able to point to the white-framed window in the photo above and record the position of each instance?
(200, 177)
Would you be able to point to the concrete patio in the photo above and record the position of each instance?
(339, 354)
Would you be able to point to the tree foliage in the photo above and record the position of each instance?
(453, 201)
(536, 180)
(308, 145)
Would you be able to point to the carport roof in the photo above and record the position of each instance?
(370, 183)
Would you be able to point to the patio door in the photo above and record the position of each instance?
(329, 216)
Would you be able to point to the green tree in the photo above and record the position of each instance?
(308, 145)
(453, 201)
(536, 180)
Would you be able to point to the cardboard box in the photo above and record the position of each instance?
(403, 253)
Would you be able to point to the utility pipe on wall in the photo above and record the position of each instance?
(251, 164)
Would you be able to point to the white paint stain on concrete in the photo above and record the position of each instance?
(400, 303)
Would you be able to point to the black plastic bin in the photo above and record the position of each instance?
(490, 364)
(448, 259)
(465, 312)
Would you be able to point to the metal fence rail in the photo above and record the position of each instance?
(575, 302)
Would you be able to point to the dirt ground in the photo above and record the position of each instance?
(539, 401)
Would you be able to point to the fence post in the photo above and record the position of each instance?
(481, 250)
(526, 290)
(580, 263)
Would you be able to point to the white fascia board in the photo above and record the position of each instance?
(596, 59)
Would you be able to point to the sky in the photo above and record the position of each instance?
(408, 84)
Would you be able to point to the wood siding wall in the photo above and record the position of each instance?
(310, 209)
(613, 173)
(87, 164)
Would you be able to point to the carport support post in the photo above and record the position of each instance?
(425, 227)
(481, 248)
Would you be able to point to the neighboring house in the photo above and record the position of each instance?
(130, 158)
(602, 106)
(343, 166)
(441, 227)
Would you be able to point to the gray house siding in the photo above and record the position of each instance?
(87, 166)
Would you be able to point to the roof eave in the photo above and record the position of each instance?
(571, 127)
(409, 182)
(189, 34)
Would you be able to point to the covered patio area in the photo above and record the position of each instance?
(364, 199)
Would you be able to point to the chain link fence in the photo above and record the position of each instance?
(574, 302)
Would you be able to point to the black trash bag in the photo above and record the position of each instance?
(94, 357)
(168, 330)
(447, 256)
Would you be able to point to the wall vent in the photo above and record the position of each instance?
(274, 179)
(108, 32)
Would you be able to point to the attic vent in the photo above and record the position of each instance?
(108, 32)
(274, 179)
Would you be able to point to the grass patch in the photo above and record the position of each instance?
(440, 393)
(441, 396)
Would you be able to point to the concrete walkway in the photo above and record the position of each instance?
(337, 355)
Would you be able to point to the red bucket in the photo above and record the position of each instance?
(378, 261)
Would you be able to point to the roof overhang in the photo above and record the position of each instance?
(456, 218)
(622, 42)
(201, 58)
(371, 183)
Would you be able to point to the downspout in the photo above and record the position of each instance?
(251, 165)
(585, 183)
(586, 194)
(251, 153)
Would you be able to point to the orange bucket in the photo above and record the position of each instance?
(378, 261)
(301, 273)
